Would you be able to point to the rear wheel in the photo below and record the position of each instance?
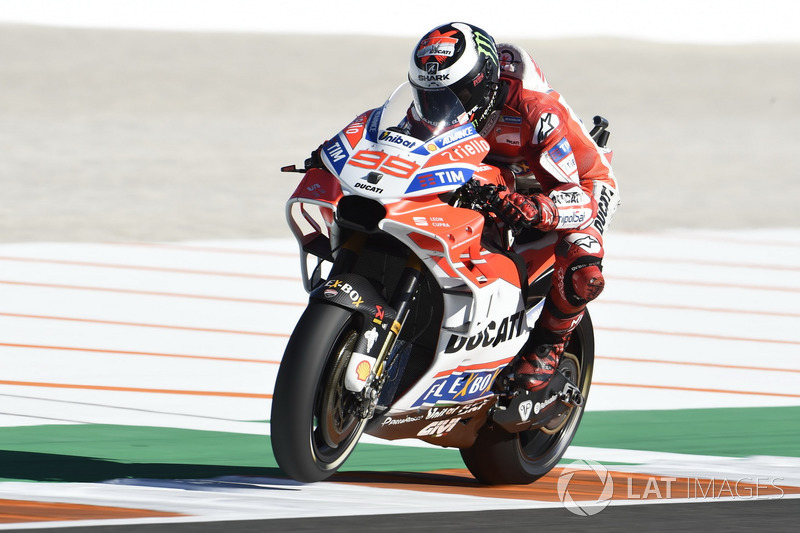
(313, 428)
(499, 457)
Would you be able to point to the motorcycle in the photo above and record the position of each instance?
(417, 305)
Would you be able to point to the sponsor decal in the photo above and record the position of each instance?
(439, 428)
(330, 293)
(362, 370)
(494, 334)
(398, 139)
(525, 409)
(355, 130)
(538, 406)
(510, 119)
(315, 190)
(573, 219)
(508, 135)
(359, 369)
(455, 410)
(336, 153)
(548, 122)
(437, 77)
(603, 205)
(347, 289)
(561, 154)
(585, 241)
(380, 314)
(520, 168)
(368, 187)
(569, 165)
(420, 221)
(389, 421)
(459, 387)
(467, 149)
(467, 130)
(561, 150)
(371, 336)
(426, 180)
(568, 197)
(438, 47)
(486, 46)
(372, 125)
(455, 175)
(440, 178)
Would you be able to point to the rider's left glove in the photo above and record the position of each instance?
(315, 160)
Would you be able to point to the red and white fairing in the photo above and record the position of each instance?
(375, 158)
(484, 321)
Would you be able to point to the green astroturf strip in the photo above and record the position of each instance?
(95, 452)
(729, 432)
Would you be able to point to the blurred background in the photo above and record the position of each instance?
(169, 120)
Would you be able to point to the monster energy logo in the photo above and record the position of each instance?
(486, 46)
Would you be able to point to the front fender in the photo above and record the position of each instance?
(356, 293)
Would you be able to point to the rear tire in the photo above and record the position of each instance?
(312, 430)
(500, 458)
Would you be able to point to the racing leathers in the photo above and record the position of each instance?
(564, 183)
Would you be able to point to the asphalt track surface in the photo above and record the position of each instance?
(723, 516)
(125, 136)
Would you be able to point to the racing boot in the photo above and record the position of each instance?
(534, 369)
(540, 359)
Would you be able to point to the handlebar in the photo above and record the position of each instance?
(484, 198)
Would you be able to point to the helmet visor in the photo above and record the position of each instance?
(439, 108)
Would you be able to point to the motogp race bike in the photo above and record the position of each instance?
(417, 305)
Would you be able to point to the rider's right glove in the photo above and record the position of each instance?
(534, 211)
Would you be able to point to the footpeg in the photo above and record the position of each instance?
(535, 409)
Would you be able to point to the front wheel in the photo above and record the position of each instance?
(312, 427)
(498, 457)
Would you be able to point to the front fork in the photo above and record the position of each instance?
(365, 371)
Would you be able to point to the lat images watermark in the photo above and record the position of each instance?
(583, 507)
(586, 487)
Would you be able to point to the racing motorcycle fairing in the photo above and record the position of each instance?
(310, 213)
(381, 179)
(387, 154)
(417, 304)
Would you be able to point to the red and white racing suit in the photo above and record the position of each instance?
(538, 133)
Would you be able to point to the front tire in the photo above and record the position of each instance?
(500, 458)
(312, 429)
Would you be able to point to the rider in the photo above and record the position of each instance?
(531, 129)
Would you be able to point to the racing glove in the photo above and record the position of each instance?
(315, 160)
(534, 211)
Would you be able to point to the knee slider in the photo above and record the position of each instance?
(585, 282)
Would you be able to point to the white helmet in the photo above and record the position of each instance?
(462, 58)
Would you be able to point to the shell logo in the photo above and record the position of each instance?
(362, 370)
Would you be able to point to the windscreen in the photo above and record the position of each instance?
(422, 114)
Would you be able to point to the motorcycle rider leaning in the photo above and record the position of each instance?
(530, 127)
